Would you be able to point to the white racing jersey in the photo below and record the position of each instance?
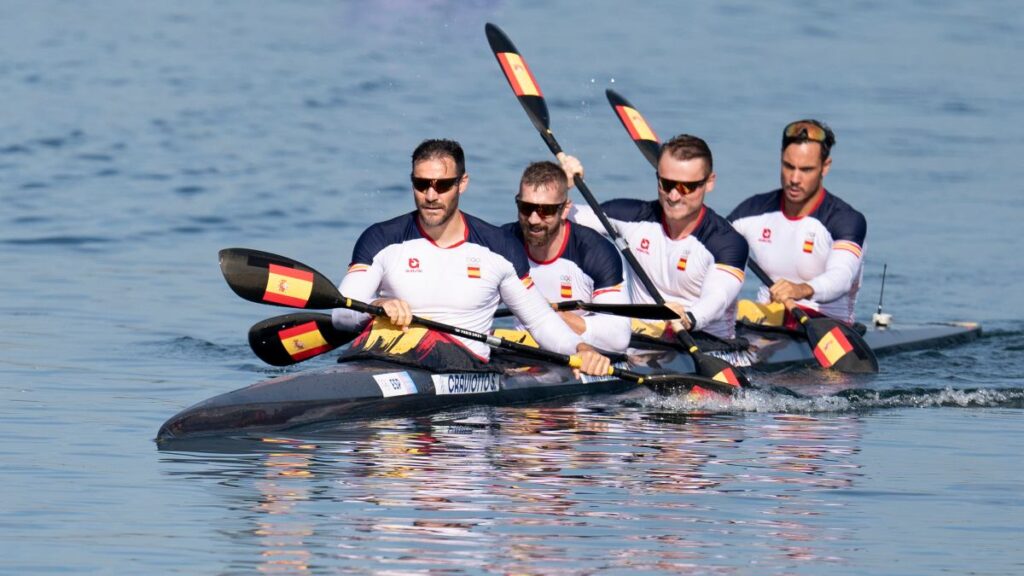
(824, 249)
(703, 271)
(589, 269)
(460, 285)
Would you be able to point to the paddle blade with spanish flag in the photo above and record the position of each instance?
(292, 338)
(837, 346)
(272, 279)
(519, 76)
(634, 123)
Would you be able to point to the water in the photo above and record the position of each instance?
(141, 137)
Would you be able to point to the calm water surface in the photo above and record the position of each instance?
(141, 137)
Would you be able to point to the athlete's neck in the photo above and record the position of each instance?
(679, 228)
(448, 233)
(797, 210)
(552, 249)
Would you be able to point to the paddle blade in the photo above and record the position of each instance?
(634, 123)
(719, 370)
(839, 347)
(673, 384)
(519, 77)
(292, 338)
(277, 280)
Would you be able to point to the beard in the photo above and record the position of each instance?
(433, 214)
(541, 235)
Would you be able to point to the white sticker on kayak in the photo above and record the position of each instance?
(395, 384)
(588, 379)
(466, 383)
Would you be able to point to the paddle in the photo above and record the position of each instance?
(529, 94)
(652, 311)
(272, 279)
(834, 344)
(292, 338)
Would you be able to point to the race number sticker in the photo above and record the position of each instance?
(395, 384)
(466, 383)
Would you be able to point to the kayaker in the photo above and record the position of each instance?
(693, 256)
(569, 262)
(806, 238)
(440, 263)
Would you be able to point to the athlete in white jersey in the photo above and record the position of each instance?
(692, 255)
(569, 262)
(805, 238)
(442, 264)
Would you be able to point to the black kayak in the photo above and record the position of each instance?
(373, 388)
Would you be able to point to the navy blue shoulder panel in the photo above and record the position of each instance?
(722, 240)
(383, 234)
(595, 255)
(500, 241)
(841, 220)
(756, 205)
(632, 210)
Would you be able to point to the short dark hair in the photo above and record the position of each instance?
(804, 135)
(439, 149)
(543, 173)
(687, 147)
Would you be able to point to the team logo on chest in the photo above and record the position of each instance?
(472, 267)
(645, 246)
(565, 287)
(766, 235)
(414, 265)
(809, 243)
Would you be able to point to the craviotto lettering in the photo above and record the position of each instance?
(466, 383)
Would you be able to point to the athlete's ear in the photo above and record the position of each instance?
(463, 183)
(711, 183)
(566, 209)
(826, 166)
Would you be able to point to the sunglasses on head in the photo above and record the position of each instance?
(542, 210)
(440, 185)
(800, 130)
(683, 188)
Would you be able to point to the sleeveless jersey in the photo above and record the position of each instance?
(587, 268)
(703, 271)
(460, 285)
(823, 249)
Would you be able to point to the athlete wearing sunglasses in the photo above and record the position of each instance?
(693, 256)
(806, 238)
(569, 262)
(441, 263)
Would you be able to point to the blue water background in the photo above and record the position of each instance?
(139, 138)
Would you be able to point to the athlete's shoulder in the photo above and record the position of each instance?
(383, 234)
(633, 210)
(844, 222)
(595, 255)
(757, 205)
(723, 241)
(500, 240)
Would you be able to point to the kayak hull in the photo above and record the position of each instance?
(377, 389)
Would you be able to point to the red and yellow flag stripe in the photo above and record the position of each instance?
(518, 74)
(288, 286)
(733, 271)
(303, 341)
(635, 124)
(565, 291)
(851, 247)
(681, 265)
(473, 271)
(527, 281)
(832, 347)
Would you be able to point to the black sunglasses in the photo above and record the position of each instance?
(440, 185)
(542, 210)
(683, 188)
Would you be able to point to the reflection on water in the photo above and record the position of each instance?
(537, 490)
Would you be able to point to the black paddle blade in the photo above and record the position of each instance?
(719, 370)
(272, 279)
(634, 123)
(672, 384)
(839, 347)
(519, 77)
(292, 338)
